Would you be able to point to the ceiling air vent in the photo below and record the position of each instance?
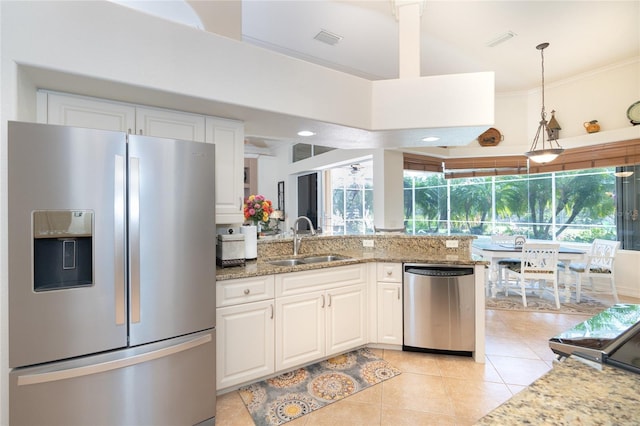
(501, 39)
(328, 37)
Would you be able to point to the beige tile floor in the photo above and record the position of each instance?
(438, 389)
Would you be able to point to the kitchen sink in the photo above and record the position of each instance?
(307, 260)
(286, 262)
(320, 259)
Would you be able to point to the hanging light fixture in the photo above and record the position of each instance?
(550, 149)
(623, 173)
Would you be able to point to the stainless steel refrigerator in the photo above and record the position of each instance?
(111, 278)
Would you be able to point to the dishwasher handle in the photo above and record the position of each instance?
(438, 271)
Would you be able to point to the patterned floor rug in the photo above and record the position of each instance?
(283, 398)
(588, 305)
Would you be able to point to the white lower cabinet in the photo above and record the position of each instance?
(315, 314)
(319, 324)
(300, 329)
(244, 343)
(244, 330)
(390, 313)
(346, 318)
(389, 303)
(311, 325)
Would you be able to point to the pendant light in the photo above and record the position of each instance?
(550, 149)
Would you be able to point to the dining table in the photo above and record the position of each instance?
(494, 252)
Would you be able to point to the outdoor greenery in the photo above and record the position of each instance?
(567, 206)
(574, 206)
(352, 200)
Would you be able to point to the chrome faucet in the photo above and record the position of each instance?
(297, 239)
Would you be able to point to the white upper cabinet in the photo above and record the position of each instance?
(78, 111)
(170, 124)
(228, 136)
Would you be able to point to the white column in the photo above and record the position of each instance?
(408, 13)
(388, 194)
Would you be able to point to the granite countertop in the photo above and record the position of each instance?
(574, 392)
(409, 255)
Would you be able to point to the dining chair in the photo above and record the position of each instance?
(600, 263)
(537, 270)
(502, 264)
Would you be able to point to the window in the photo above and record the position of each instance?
(627, 203)
(302, 151)
(349, 200)
(577, 205)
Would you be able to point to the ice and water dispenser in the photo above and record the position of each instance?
(62, 249)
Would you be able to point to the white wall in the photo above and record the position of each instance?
(603, 95)
(628, 273)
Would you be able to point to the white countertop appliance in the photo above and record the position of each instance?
(111, 278)
(230, 250)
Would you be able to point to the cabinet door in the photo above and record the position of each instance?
(346, 318)
(228, 136)
(245, 337)
(300, 329)
(390, 313)
(78, 111)
(170, 124)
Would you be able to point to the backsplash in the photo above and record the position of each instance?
(432, 244)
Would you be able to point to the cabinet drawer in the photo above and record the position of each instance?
(234, 292)
(319, 279)
(389, 272)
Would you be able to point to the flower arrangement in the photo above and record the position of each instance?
(257, 208)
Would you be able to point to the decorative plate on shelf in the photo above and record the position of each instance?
(633, 113)
(491, 137)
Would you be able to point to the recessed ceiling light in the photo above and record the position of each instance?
(305, 133)
(430, 139)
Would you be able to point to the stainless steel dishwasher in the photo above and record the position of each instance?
(439, 308)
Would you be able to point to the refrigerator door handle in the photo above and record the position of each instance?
(134, 237)
(119, 225)
(53, 376)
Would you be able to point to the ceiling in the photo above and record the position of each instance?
(583, 36)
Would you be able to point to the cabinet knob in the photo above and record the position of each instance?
(247, 291)
(389, 272)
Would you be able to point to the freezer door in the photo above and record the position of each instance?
(171, 238)
(66, 200)
(166, 383)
